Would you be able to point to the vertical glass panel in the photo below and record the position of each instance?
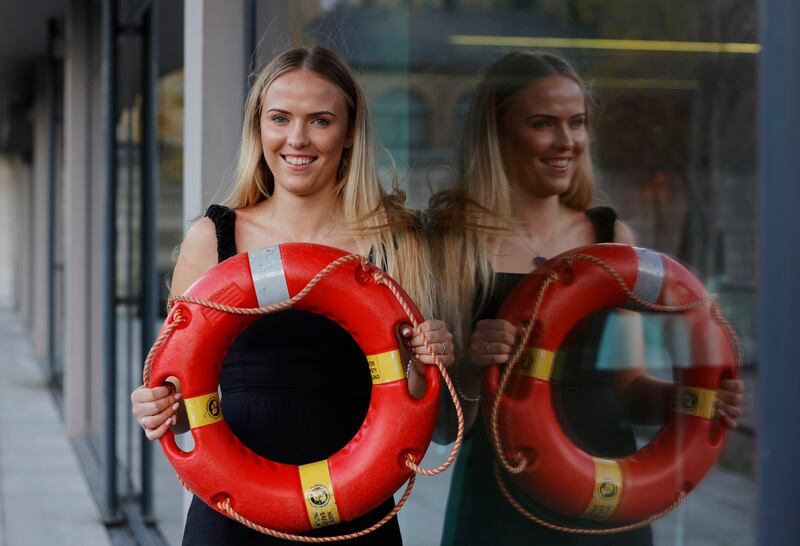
(94, 392)
(673, 141)
(58, 311)
(128, 255)
(168, 494)
(169, 498)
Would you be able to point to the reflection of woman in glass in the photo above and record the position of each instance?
(524, 185)
(296, 387)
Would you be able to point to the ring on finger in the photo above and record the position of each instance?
(444, 348)
(488, 348)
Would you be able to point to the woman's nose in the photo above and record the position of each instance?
(564, 140)
(298, 137)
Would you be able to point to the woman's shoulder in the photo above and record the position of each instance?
(198, 254)
(199, 246)
(623, 233)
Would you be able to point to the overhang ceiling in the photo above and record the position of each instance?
(23, 42)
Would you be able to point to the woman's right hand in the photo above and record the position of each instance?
(492, 342)
(155, 409)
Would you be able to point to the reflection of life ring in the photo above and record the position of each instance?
(558, 474)
(354, 480)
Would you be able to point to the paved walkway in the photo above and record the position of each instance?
(44, 497)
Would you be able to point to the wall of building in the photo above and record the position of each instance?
(8, 200)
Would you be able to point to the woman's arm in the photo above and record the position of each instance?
(198, 254)
(158, 408)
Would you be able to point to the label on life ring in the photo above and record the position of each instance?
(695, 401)
(607, 490)
(536, 363)
(385, 367)
(203, 410)
(318, 493)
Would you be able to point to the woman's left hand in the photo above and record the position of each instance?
(439, 337)
(730, 398)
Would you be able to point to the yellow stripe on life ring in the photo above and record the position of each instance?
(318, 494)
(695, 401)
(607, 490)
(203, 410)
(386, 367)
(537, 363)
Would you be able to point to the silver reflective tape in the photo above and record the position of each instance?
(650, 277)
(269, 279)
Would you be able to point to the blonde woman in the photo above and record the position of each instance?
(524, 185)
(306, 173)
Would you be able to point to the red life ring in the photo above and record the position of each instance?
(561, 476)
(292, 498)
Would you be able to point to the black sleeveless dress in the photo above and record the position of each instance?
(477, 512)
(274, 380)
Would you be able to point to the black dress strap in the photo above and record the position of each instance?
(603, 220)
(225, 222)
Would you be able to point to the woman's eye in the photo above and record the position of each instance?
(540, 124)
(578, 123)
(321, 122)
(279, 119)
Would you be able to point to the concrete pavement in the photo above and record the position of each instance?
(44, 497)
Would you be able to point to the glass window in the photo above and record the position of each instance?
(672, 91)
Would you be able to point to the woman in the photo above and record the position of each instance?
(525, 182)
(306, 173)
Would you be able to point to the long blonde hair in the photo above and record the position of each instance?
(397, 242)
(463, 219)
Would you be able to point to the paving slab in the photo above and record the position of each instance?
(44, 497)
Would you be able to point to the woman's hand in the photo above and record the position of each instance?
(729, 402)
(441, 341)
(155, 409)
(492, 342)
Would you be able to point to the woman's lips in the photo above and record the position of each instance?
(298, 162)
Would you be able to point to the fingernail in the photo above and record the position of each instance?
(174, 420)
(406, 332)
(175, 406)
(178, 396)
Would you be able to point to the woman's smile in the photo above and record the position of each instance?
(298, 162)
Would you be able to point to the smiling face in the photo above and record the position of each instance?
(304, 132)
(544, 136)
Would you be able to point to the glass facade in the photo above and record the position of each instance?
(674, 143)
